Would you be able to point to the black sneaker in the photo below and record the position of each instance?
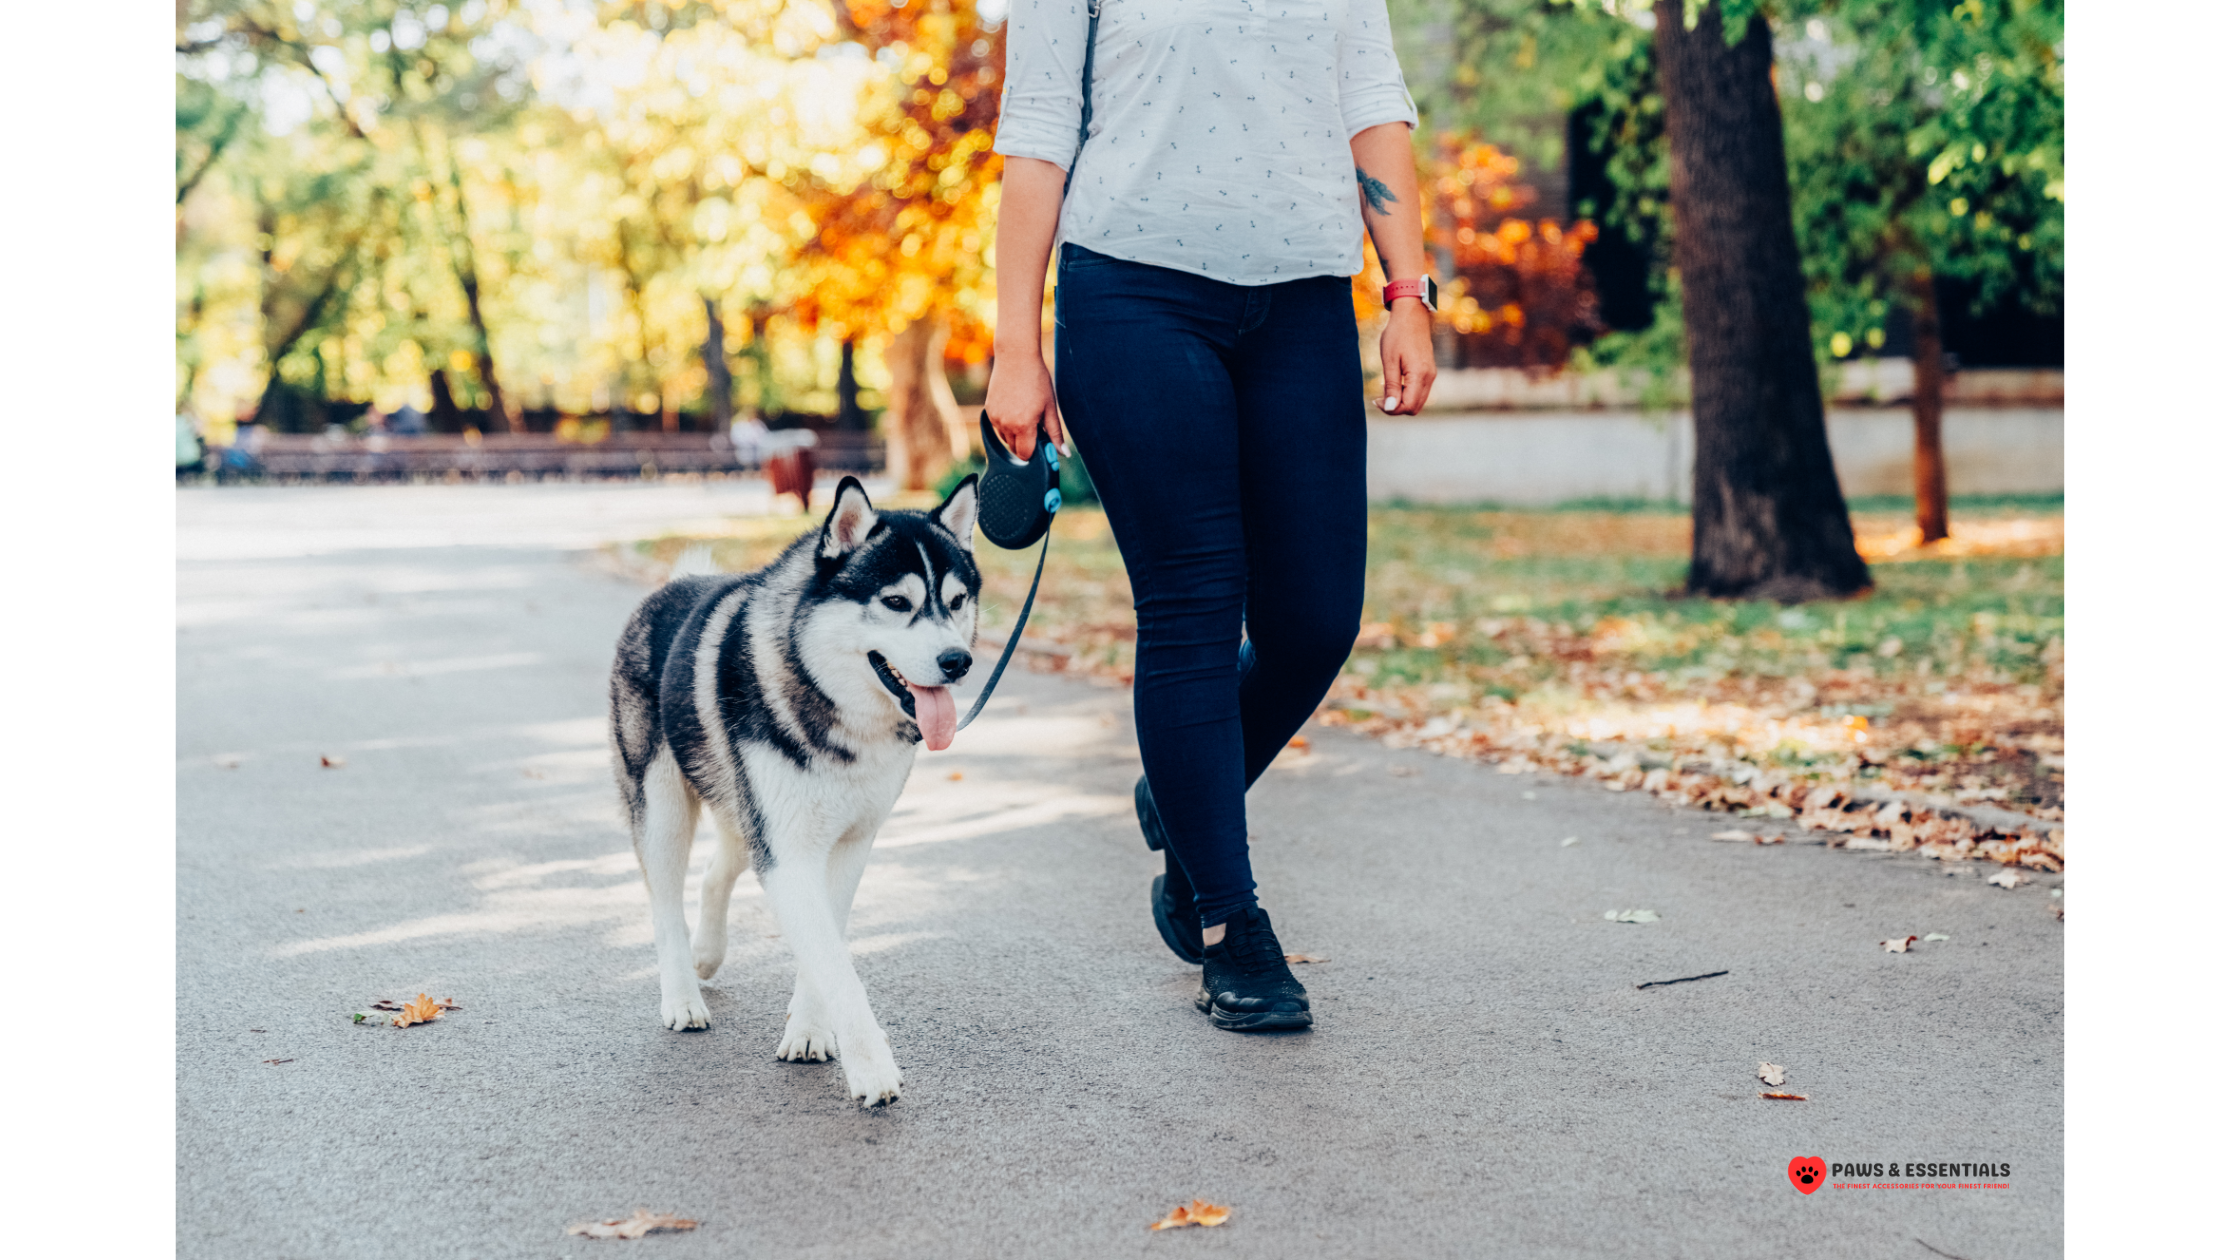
(1247, 986)
(1174, 904)
(1176, 915)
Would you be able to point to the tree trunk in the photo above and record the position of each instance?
(851, 418)
(1770, 520)
(719, 371)
(1928, 413)
(925, 434)
(444, 415)
(470, 284)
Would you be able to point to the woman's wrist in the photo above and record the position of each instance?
(1017, 345)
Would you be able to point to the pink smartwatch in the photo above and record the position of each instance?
(1422, 288)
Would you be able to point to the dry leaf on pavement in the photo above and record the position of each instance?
(636, 1225)
(1936, 936)
(1788, 1097)
(1746, 837)
(1771, 1073)
(332, 763)
(2004, 879)
(1900, 944)
(418, 1011)
(1630, 916)
(1199, 1212)
(1304, 958)
(1300, 742)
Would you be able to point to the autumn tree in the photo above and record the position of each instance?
(903, 250)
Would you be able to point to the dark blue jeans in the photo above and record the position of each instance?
(1224, 429)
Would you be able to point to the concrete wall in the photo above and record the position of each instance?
(1543, 457)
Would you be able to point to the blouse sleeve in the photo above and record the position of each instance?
(1370, 89)
(1043, 51)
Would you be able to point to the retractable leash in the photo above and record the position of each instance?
(1018, 500)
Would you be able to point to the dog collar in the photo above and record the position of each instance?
(1422, 288)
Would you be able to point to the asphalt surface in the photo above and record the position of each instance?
(1484, 1076)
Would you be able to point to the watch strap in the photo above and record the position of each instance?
(1422, 288)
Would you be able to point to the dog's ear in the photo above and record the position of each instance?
(958, 512)
(852, 520)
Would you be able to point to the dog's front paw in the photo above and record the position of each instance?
(706, 957)
(872, 1075)
(683, 1010)
(805, 1043)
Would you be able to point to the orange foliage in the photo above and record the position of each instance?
(1519, 296)
(913, 238)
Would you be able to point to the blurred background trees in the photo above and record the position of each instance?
(597, 214)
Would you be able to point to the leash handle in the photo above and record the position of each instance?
(1018, 628)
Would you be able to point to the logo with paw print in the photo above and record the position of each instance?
(1806, 1172)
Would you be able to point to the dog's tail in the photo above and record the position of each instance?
(695, 561)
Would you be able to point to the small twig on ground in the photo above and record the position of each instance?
(1946, 1254)
(1682, 980)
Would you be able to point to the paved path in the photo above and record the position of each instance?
(1484, 1077)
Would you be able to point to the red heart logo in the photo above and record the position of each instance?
(1806, 1172)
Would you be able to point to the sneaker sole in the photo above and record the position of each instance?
(1253, 1021)
(1166, 926)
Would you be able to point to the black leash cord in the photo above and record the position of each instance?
(1018, 628)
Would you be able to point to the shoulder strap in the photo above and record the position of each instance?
(1088, 73)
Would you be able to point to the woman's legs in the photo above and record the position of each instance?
(1306, 513)
(1223, 427)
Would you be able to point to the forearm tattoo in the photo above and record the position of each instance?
(1380, 194)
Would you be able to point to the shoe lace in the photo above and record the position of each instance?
(1255, 949)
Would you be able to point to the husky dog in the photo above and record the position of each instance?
(790, 702)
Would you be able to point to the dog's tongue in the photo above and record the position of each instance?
(937, 715)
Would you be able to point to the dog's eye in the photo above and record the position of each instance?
(957, 604)
(896, 602)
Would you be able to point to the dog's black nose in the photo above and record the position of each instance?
(954, 663)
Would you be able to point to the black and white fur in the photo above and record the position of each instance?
(769, 698)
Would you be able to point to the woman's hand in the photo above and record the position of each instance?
(1406, 350)
(1020, 401)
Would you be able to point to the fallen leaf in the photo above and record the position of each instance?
(1900, 944)
(1630, 916)
(1304, 958)
(450, 1004)
(418, 1011)
(1568, 841)
(385, 1004)
(1199, 1212)
(1789, 1097)
(1300, 742)
(2004, 879)
(332, 763)
(956, 776)
(636, 1225)
(1936, 936)
(1771, 1073)
(278, 1061)
(1739, 837)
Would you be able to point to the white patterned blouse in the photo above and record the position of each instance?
(1219, 141)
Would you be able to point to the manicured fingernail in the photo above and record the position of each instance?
(1391, 403)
